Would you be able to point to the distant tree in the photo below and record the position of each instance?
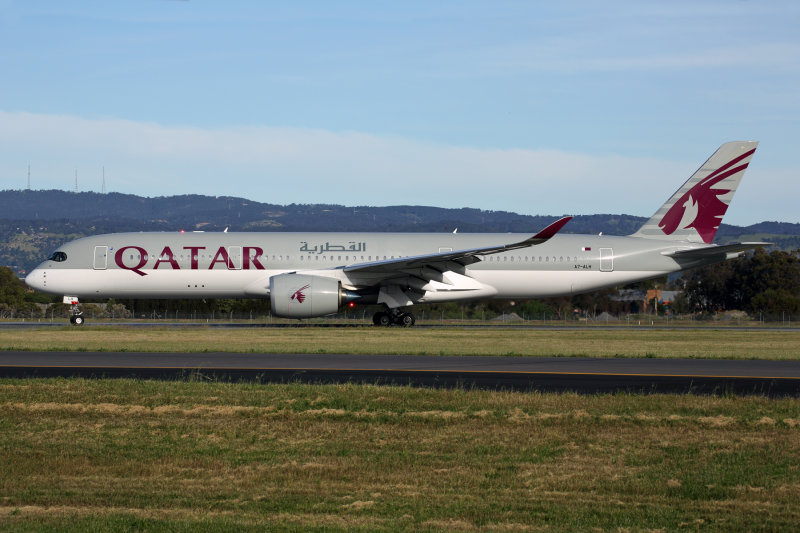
(534, 310)
(57, 310)
(709, 288)
(15, 300)
(681, 304)
(562, 306)
(757, 282)
(595, 302)
(770, 282)
(775, 301)
(12, 289)
(116, 310)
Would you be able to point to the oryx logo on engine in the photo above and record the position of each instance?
(299, 295)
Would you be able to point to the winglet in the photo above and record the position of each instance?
(552, 229)
(542, 236)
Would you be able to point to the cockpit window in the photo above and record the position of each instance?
(58, 257)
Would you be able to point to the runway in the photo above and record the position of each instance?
(552, 326)
(583, 375)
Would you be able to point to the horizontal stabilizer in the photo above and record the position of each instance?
(712, 251)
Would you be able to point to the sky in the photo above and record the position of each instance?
(541, 108)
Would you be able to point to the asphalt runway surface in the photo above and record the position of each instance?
(555, 325)
(582, 375)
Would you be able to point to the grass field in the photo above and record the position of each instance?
(78, 455)
(82, 455)
(645, 342)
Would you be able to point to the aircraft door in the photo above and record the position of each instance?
(606, 259)
(234, 257)
(100, 257)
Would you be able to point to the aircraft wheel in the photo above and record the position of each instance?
(72, 319)
(407, 320)
(77, 320)
(384, 319)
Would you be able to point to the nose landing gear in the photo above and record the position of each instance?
(75, 313)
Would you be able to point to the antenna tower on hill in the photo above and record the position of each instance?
(76, 180)
(104, 180)
(29, 176)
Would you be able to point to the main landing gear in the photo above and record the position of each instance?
(393, 317)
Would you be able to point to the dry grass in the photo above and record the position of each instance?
(139, 455)
(737, 344)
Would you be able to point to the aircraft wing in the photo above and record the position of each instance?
(443, 261)
(711, 251)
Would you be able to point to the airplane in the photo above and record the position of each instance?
(316, 274)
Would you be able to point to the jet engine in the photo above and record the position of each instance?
(304, 296)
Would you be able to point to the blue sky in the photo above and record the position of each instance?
(539, 108)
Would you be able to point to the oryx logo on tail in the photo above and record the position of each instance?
(299, 295)
(703, 206)
(693, 214)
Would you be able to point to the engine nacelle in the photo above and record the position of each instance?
(304, 296)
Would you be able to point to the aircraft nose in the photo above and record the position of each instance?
(36, 279)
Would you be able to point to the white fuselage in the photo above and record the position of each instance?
(240, 265)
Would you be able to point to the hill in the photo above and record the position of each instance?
(33, 223)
